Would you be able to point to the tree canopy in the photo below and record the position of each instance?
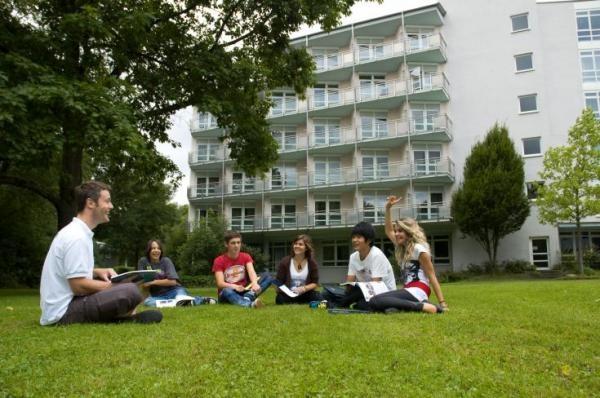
(491, 202)
(571, 189)
(90, 84)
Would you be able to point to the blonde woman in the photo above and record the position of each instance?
(414, 259)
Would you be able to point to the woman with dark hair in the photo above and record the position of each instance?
(299, 273)
(167, 285)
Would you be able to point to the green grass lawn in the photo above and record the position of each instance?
(509, 338)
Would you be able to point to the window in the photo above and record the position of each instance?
(372, 87)
(327, 171)
(242, 183)
(207, 151)
(283, 214)
(373, 125)
(374, 206)
(206, 186)
(532, 146)
(370, 49)
(418, 39)
(284, 176)
(440, 247)
(592, 100)
(520, 22)
(242, 218)
(325, 95)
(206, 121)
(427, 158)
(588, 25)
(540, 254)
(375, 165)
(421, 77)
(335, 253)
(328, 211)
(285, 137)
(326, 58)
(283, 103)
(532, 188)
(590, 65)
(528, 103)
(327, 132)
(428, 201)
(423, 117)
(524, 62)
(277, 251)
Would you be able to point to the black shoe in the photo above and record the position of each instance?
(150, 316)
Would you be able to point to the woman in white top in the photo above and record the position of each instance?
(414, 259)
(299, 272)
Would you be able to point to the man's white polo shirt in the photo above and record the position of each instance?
(71, 255)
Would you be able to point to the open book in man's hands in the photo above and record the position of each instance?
(142, 276)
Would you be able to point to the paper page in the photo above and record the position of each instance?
(370, 289)
(287, 291)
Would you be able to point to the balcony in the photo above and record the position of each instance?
(379, 58)
(439, 171)
(344, 218)
(207, 161)
(427, 49)
(289, 109)
(429, 87)
(205, 126)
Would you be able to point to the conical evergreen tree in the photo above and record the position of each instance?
(491, 202)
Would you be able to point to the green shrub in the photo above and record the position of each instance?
(591, 259)
(119, 269)
(198, 280)
(517, 266)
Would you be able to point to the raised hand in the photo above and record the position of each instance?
(392, 200)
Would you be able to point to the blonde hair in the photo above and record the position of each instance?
(415, 234)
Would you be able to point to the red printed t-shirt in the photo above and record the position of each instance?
(234, 269)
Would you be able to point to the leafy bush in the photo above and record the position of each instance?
(203, 244)
(591, 259)
(517, 266)
(197, 280)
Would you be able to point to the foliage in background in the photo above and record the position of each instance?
(27, 227)
(141, 213)
(176, 235)
(90, 83)
(204, 243)
(491, 202)
(571, 174)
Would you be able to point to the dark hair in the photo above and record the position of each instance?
(89, 190)
(365, 230)
(231, 235)
(307, 242)
(149, 248)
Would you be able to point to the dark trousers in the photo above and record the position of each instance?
(399, 299)
(307, 297)
(105, 306)
(347, 298)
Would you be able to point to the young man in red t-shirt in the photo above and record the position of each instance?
(234, 271)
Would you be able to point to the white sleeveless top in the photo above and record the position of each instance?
(298, 278)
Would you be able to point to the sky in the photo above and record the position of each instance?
(180, 130)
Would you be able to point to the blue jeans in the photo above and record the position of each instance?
(177, 291)
(245, 299)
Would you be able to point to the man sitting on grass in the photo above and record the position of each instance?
(234, 270)
(367, 264)
(68, 291)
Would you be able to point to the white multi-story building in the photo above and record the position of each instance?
(399, 102)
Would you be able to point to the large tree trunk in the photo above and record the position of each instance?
(579, 246)
(71, 174)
